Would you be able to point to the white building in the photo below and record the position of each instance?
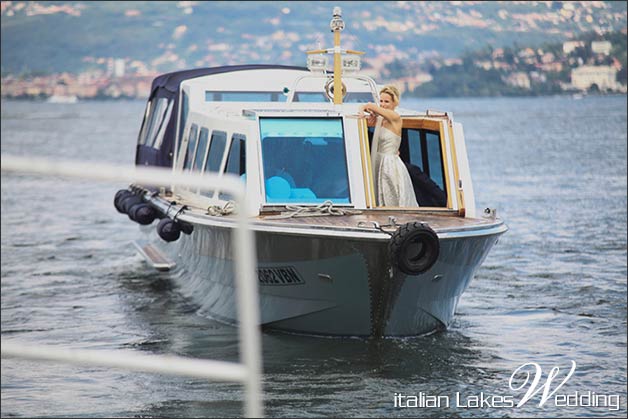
(571, 45)
(586, 76)
(601, 47)
(118, 67)
(518, 79)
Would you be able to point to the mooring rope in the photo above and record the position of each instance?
(217, 210)
(325, 209)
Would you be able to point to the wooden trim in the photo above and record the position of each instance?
(459, 191)
(337, 69)
(438, 125)
(443, 147)
(364, 177)
(429, 124)
(367, 170)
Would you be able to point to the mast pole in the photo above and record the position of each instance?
(337, 25)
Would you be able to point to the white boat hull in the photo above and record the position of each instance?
(326, 285)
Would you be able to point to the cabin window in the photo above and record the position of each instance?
(155, 122)
(214, 156)
(319, 97)
(216, 151)
(310, 97)
(421, 151)
(351, 97)
(163, 124)
(359, 97)
(189, 153)
(304, 160)
(236, 159)
(435, 159)
(223, 96)
(142, 137)
(200, 150)
(185, 108)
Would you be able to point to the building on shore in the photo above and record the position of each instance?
(518, 79)
(586, 76)
(601, 47)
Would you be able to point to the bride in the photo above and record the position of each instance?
(393, 186)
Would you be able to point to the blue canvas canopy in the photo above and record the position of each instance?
(167, 86)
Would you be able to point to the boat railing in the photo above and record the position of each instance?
(436, 113)
(371, 83)
(248, 370)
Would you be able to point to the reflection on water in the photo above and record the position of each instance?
(551, 291)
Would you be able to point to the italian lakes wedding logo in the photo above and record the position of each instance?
(526, 378)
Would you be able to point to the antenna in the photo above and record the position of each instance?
(337, 25)
(352, 64)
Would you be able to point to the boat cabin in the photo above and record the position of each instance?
(279, 130)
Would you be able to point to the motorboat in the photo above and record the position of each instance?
(65, 99)
(331, 260)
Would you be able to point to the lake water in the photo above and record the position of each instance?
(551, 292)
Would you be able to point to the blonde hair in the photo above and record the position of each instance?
(392, 91)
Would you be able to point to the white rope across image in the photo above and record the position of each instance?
(132, 361)
(248, 371)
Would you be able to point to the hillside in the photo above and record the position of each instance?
(53, 37)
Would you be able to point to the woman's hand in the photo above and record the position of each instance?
(364, 108)
(365, 112)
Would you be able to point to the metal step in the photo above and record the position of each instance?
(153, 256)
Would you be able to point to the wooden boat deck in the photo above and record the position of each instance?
(354, 220)
(436, 220)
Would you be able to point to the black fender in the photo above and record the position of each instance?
(186, 228)
(128, 202)
(414, 248)
(121, 195)
(169, 230)
(142, 213)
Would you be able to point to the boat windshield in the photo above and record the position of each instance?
(304, 160)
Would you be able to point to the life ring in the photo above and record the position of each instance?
(414, 248)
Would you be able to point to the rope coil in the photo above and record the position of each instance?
(217, 210)
(325, 209)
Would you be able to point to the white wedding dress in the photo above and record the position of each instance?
(393, 187)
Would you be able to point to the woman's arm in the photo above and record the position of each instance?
(391, 116)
